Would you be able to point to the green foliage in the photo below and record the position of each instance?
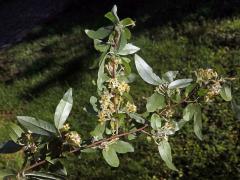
(37, 126)
(173, 50)
(146, 72)
(63, 109)
(155, 102)
(165, 153)
(111, 157)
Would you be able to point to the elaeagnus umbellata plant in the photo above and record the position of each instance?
(173, 103)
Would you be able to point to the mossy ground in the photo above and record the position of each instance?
(44, 66)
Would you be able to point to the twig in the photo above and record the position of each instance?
(90, 146)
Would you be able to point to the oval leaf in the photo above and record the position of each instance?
(164, 149)
(188, 112)
(180, 83)
(122, 147)
(226, 93)
(37, 126)
(63, 109)
(128, 49)
(101, 33)
(137, 117)
(155, 121)
(154, 102)
(170, 76)
(127, 22)
(15, 132)
(110, 156)
(146, 72)
(93, 101)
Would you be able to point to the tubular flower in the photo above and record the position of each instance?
(131, 107)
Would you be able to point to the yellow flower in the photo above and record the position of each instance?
(214, 90)
(204, 75)
(123, 87)
(102, 116)
(113, 83)
(131, 107)
(65, 128)
(73, 138)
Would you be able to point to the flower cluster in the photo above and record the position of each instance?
(121, 87)
(131, 107)
(213, 90)
(210, 78)
(65, 128)
(169, 128)
(107, 107)
(162, 89)
(73, 138)
(205, 75)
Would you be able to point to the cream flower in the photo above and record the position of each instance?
(73, 138)
(131, 107)
(123, 87)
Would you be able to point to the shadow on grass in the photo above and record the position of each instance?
(66, 73)
(89, 14)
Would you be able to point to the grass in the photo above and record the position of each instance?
(44, 66)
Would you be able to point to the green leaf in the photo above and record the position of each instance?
(101, 76)
(110, 156)
(169, 76)
(198, 122)
(127, 33)
(100, 46)
(112, 15)
(181, 123)
(93, 101)
(127, 22)
(188, 112)
(122, 147)
(164, 149)
(137, 117)
(101, 33)
(98, 131)
(122, 41)
(146, 72)
(15, 132)
(180, 83)
(155, 121)
(127, 67)
(226, 93)
(128, 49)
(37, 126)
(114, 12)
(63, 109)
(9, 147)
(154, 102)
